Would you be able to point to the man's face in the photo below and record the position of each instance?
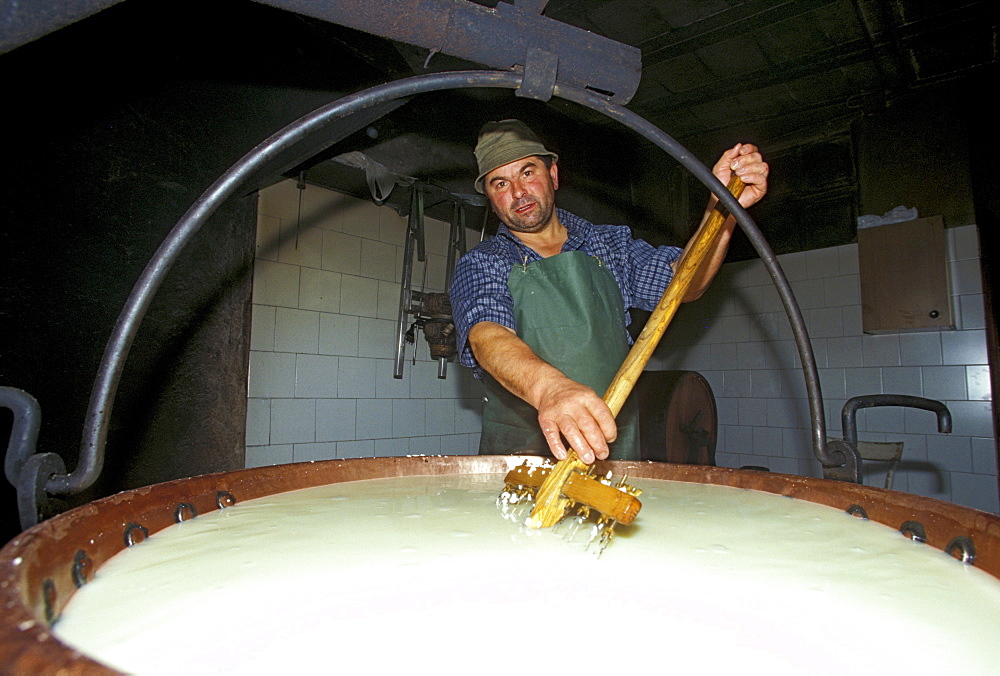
(522, 193)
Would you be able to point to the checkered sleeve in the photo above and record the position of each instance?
(479, 293)
(641, 270)
(650, 271)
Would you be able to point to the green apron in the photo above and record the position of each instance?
(569, 310)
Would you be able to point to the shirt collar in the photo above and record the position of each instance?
(578, 231)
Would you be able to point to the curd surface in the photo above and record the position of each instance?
(403, 574)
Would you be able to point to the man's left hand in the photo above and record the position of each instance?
(745, 161)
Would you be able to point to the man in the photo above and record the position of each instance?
(541, 307)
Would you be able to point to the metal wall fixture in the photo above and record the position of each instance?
(420, 310)
(849, 426)
(848, 415)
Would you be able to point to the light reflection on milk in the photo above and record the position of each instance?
(395, 574)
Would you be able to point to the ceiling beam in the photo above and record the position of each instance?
(504, 37)
(742, 19)
(820, 61)
(24, 21)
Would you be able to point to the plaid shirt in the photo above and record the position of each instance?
(479, 290)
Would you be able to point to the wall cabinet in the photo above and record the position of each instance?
(904, 277)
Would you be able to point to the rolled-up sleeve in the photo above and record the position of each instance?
(479, 293)
(651, 271)
(641, 270)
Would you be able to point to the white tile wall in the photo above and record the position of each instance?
(324, 312)
(763, 411)
(326, 296)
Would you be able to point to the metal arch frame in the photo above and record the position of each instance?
(109, 372)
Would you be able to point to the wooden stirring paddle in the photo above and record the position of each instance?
(554, 496)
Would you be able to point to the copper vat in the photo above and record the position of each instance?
(41, 568)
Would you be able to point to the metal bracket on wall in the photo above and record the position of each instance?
(419, 309)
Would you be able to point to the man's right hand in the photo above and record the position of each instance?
(574, 411)
(565, 407)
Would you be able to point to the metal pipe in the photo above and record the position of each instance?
(23, 432)
(26, 470)
(112, 362)
(848, 414)
(456, 242)
(405, 289)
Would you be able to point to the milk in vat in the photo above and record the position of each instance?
(391, 573)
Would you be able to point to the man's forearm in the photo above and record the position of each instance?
(713, 261)
(502, 354)
(565, 407)
(745, 161)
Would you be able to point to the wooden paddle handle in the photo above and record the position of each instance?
(684, 272)
(550, 501)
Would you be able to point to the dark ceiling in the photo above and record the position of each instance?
(793, 76)
(787, 71)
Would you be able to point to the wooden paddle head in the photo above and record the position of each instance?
(580, 495)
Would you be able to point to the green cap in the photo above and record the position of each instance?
(503, 142)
